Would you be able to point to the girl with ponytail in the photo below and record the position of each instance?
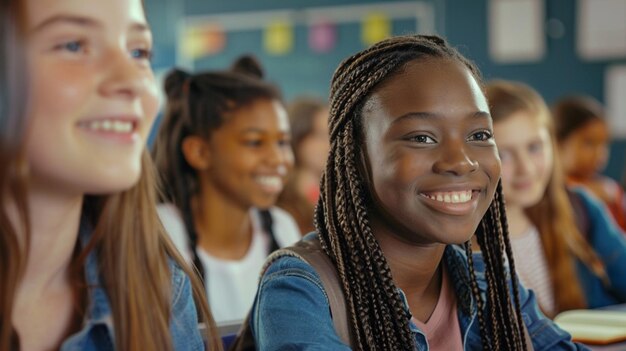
(223, 152)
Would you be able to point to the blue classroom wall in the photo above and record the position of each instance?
(463, 23)
(302, 71)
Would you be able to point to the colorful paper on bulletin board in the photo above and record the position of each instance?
(278, 38)
(322, 37)
(203, 41)
(375, 27)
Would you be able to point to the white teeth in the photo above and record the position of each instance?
(454, 197)
(270, 181)
(111, 126)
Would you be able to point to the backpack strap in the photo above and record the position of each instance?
(309, 250)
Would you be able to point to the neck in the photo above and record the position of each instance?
(224, 227)
(54, 220)
(415, 269)
(518, 220)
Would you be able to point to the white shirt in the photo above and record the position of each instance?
(231, 284)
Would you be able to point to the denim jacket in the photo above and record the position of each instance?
(291, 310)
(609, 242)
(97, 333)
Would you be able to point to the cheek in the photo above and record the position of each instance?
(543, 164)
(288, 157)
(492, 164)
(150, 100)
(508, 171)
(59, 94)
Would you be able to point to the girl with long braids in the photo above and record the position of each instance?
(223, 152)
(413, 173)
(571, 253)
(84, 261)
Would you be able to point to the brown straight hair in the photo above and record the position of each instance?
(12, 183)
(553, 216)
(132, 247)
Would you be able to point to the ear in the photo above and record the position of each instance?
(196, 152)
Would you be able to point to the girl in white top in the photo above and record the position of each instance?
(224, 153)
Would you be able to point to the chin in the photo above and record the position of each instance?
(111, 185)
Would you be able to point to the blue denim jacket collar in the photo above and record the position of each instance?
(99, 310)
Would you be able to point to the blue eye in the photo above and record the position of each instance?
(72, 46)
(141, 54)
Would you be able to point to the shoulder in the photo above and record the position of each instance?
(291, 298)
(184, 324)
(290, 267)
(179, 281)
(285, 228)
(588, 198)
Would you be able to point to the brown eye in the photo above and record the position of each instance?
(422, 139)
(483, 135)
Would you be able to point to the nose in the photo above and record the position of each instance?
(454, 159)
(125, 77)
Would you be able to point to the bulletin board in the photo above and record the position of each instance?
(300, 49)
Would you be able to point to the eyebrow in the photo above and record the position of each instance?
(429, 115)
(83, 22)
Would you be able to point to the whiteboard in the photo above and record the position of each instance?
(615, 93)
(516, 30)
(601, 28)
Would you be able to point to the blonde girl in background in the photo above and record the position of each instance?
(567, 248)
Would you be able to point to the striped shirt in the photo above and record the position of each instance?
(532, 268)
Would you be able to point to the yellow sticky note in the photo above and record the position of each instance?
(278, 38)
(375, 27)
(203, 41)
(191, 44)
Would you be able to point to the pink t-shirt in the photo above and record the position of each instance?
(442, 328)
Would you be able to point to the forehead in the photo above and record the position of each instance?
(109, 13)
(261, 114)
(437, 85)
(519, 128)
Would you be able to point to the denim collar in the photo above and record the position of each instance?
(99, 309)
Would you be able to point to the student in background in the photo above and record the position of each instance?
(308, 118)
(84, 261)
(413, 173)
(583, 140)
(568, 264)
(223, 153)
